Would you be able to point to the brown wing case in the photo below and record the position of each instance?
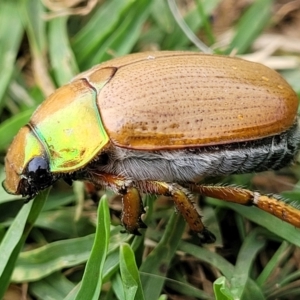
(171, 100)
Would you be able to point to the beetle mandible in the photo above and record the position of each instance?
(159, 122)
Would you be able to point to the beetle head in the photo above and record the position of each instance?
(27, 166)
(36, 177)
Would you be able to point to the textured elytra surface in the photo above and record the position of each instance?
(178, 100)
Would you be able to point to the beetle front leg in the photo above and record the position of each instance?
(132, 210)
(271, 204)
(132, 205)
(184, 205)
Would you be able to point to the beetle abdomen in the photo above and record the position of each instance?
(178, 100)
(193, 164)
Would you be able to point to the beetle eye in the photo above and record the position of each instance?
(37, 163)
(38, 172)
(36, 177)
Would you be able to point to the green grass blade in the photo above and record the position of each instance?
(154, 268)
(292, 77)
(273, 224)
(182, 287)
(221, 289)
(273, 263)
(4, 197)
(15, 238)
(92, 278)
(41, 262)
(38, 263)
(117, 286)
(250, 25)
(73, 293)
(10, 127)
(59, 220)
(32, 12)
(207, 256)
(160, 12)
(249, 250)
(9, 43)
(207, 25)
(186, 29)
(56, 286)
(61, 55)
(130, 276)
(253, 291)
(112, 262)
(122, 40)
(177, 39)
(100, 26)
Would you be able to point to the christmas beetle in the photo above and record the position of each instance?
(158, 123)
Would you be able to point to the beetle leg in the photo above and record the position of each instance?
(132, 205)
(184, 205)
(269, 203)
(92, 190)
(132, 210)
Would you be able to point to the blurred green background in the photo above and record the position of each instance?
(43, 44)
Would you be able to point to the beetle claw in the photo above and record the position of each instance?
(207, 237)
(134, 232)
(142, 225)
(68, 181)
(26, 200)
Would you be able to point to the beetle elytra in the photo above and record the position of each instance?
(158, 123)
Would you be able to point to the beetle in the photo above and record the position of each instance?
(159, 122)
